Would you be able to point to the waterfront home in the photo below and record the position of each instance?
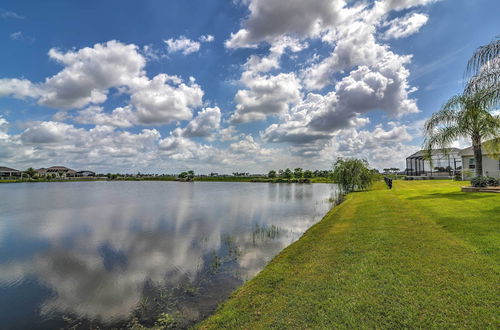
(491, 162)
(85, 173)
(58, 171)
(445, 163)
(7, 172)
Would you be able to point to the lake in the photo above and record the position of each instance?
(115, 254)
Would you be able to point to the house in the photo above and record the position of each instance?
(85, 173)
(58, 171)
(7, 172)
(445, 163)
(491, 163)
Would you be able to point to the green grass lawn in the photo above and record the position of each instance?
(423, 255)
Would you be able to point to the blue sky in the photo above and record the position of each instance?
(163, 86)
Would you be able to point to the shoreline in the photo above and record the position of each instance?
(382, 258)
(173, 179)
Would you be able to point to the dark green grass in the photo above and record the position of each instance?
(423, 255)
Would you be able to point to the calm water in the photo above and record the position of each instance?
(111, 254)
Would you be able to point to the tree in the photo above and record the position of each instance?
(469, 114)
(298, 173)
(483, 70)
(352, 174)
(31, 172)
(287, 174)
(271, 174)
(463, 116)
(308, 174)
(190, 174)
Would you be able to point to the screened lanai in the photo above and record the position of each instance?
(445, 162)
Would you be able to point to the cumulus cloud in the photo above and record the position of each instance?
(403, 27)
(207, 38)
(270, 19)
(95, 115)
(204, 124)
(178, 147)
(184, 45)
(164, 99)
(50, 132)
(267, 95)
(19, 88)
(318, 116)
(89, 72)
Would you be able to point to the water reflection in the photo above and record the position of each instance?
(111, 253)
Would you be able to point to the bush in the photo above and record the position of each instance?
(352, 174)
(484, 181)
(492, 182)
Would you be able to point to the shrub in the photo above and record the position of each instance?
(484, 181)
(492, 182)
(352, 174)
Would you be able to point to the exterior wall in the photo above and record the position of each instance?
(491, 167)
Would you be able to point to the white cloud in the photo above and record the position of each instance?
(119, 117)
(267, 95)
(50, 132)
(207, 38)
(229, 133)
(271, 19)
(204, 124)
(88, 75)
(403, 27)
(164, 99)
(19, 88)
(89, 72)
(10, 14)
(16, 36)
(318, 116)
(178, 147)
(184, 45)
(247, 145)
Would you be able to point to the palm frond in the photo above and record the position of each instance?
(482, 56)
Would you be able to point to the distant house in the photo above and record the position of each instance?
(85, 173)
(7, 172)
(58, 171)
(491, 163)
(445, 162)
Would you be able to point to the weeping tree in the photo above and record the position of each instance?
(352, 174)
(469, 115)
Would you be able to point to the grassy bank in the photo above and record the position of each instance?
(423, 255)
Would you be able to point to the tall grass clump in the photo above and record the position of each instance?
(352, 174)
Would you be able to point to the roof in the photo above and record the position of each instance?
(59, 168)
(7, 169)
(421, 153)
(485, 146)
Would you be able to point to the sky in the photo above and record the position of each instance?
(160, 86)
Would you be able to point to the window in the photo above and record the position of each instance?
(472, 163)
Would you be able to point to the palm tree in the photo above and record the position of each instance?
(483, 71)
(463, 116)
(468, 115)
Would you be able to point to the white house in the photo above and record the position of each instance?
(491, 164)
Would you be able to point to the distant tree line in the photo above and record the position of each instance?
(299, 173)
